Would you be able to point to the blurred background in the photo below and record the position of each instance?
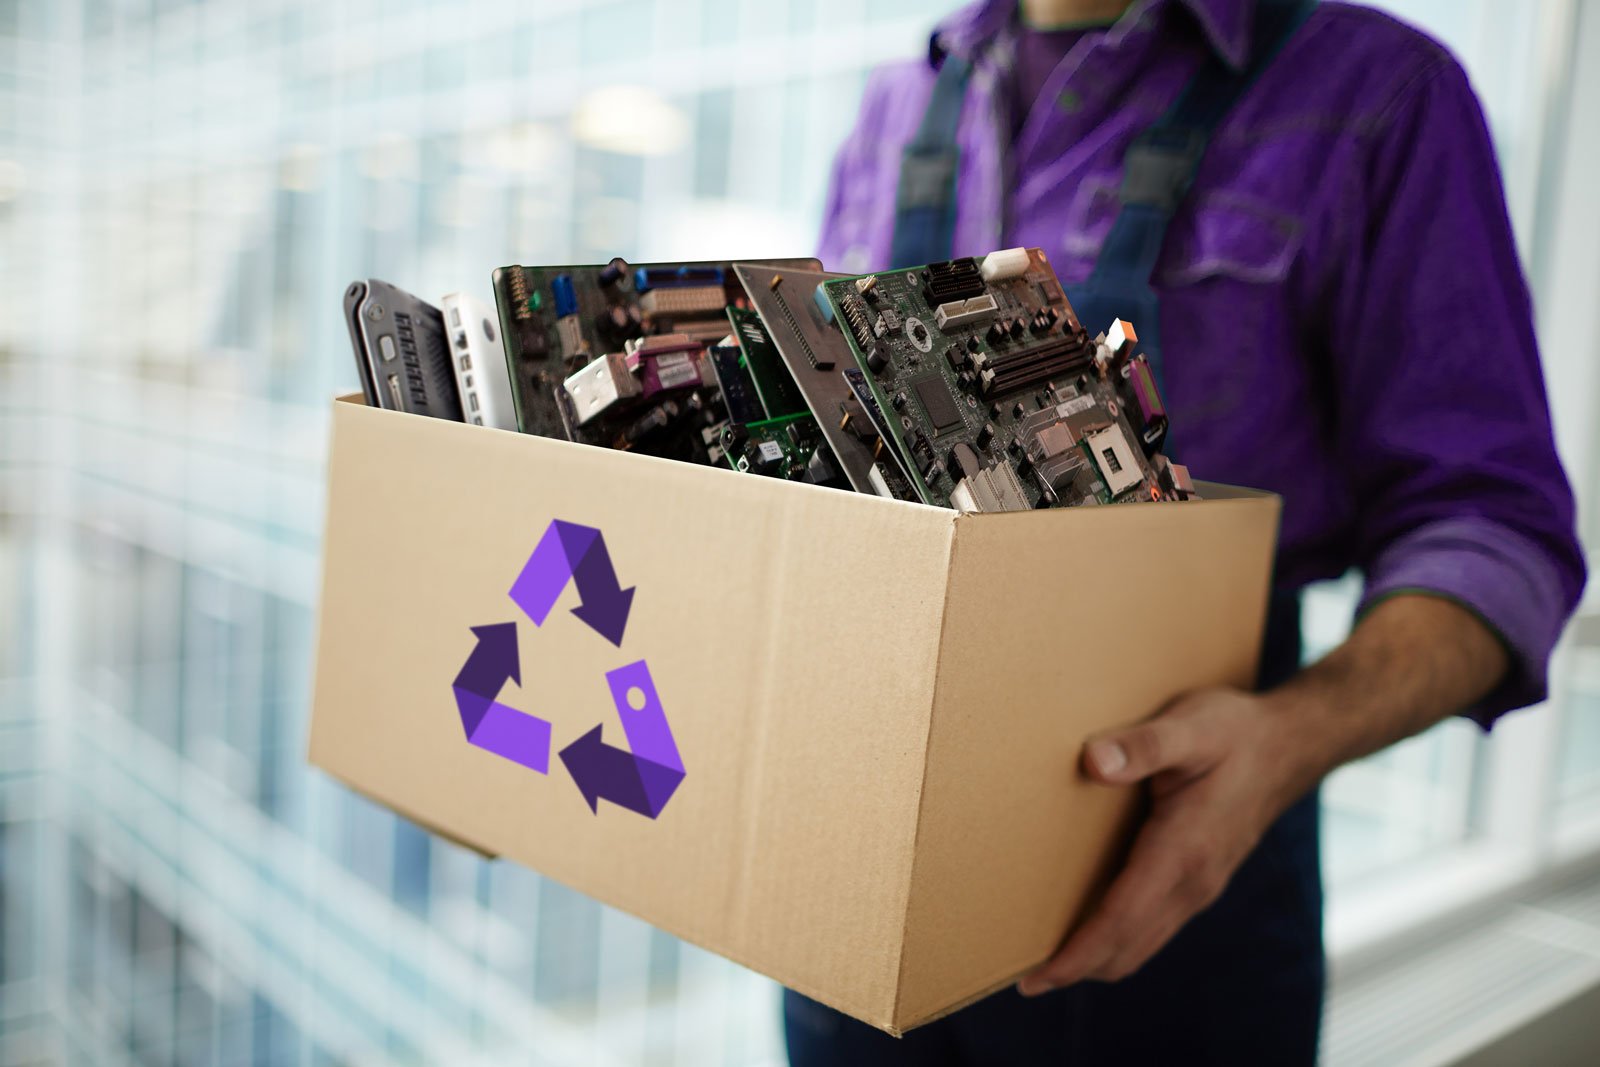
(185, 188)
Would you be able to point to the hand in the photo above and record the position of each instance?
(1221, 768)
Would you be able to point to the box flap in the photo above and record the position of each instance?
(1059, 625)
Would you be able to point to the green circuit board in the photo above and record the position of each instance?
(993, 382)
(557, 320)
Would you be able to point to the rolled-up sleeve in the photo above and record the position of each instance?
(1442, 422)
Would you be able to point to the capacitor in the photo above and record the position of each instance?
(986, 435)
(964, 462)
(612, 273)
(1018, 410)
(566, 295)
(996, 333)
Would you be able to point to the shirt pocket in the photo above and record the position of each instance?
(1228, 235)
(1091, 209)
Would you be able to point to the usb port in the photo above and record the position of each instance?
(394, 392)
(473, 398)
(466, 362)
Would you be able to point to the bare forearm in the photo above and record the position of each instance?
(1412, 661)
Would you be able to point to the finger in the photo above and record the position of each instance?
(1195, 881)
(1138, 752)
(1134, 954)
(1134, 903)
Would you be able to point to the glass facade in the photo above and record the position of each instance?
(185, 188)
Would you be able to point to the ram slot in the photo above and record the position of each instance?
(1005, 372)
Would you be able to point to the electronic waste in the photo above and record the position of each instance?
(968, 384)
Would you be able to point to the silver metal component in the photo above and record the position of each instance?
(601, 384)
(992, 489)
(1115, 459)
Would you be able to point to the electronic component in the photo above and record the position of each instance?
(657, 345)
(991, 489)
(1055, 356)
(1147, 400)
(812, 350)
(401, 350)
(774, 384)
(738, 391)
(566, 296)
(684, 300)
(672, 370)
(573, 344)
(969, 383)
(656, 277)
(855, 313)
(1016, 386)
(604, 382)
(1004, 265)
(937, 402)
(1114, 458)
(964, 312)
(612, 273)
(878, 358)
(554, 320)
(1181, 480)
(964, 461)
(482, 379)
(956, 279)
(1120, 336)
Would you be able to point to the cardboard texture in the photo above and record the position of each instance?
(879, 706)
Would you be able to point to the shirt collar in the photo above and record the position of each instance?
(1225, 23)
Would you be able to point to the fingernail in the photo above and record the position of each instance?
(1107, 756)
(1032, 987)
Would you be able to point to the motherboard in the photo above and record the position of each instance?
(617, 355)
(996, 397)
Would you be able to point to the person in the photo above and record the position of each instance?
(1299, 209)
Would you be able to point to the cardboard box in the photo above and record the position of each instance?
(878, 706)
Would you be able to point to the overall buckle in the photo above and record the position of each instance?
(1159, 167)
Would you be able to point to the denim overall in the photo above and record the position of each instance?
(1242, 983)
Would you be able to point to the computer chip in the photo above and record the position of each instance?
(937, 402)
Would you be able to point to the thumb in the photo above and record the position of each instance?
(1140, 751)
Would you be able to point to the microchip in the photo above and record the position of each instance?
(937, 402)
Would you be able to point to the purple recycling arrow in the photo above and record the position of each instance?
(569, 552)
(643, 779)
(491, 725)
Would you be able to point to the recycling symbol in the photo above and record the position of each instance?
(641, 777)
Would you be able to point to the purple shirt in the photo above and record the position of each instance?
(1343, 317)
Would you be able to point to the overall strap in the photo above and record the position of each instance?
(1160, 165)
(925, 203)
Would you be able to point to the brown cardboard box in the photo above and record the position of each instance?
(879, 706)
